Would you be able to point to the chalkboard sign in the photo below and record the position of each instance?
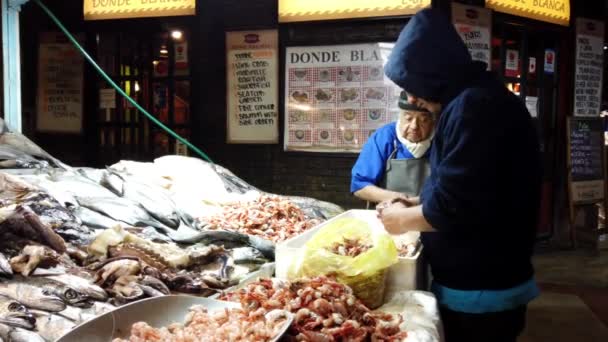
(586, 159)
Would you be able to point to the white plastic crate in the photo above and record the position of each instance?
(404, 275)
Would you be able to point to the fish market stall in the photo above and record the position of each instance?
(77, 243)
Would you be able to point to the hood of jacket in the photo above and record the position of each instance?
(430, 60)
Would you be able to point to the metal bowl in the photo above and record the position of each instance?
(157, 312)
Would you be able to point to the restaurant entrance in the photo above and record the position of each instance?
(152, 66)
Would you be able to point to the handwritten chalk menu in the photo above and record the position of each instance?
(586, 159)
(589, 67)
(252, 96)
(60, 85)
(473, 24)
(336, 96)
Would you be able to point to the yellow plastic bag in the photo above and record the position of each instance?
(364, 273)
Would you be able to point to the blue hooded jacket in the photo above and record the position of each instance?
(483, 194)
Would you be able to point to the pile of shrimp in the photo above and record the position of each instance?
(324, 310)
(224, 325)
(350, 247)
(269, 217)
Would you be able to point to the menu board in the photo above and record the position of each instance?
(60, 85)
(337, 96)
(586, 159)
(589, 67)
(252, 94)
(473, 24)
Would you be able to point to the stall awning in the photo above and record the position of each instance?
(553, 11)
(311, 10)
(119, 9)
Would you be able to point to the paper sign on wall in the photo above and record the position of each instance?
(512, 63)
(473, 24)
(337, 96)
(589, 67)
(252, 73)
(107, 98)
(532, 65)
(549, 61)
(60, 85)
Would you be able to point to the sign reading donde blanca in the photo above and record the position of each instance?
(309, 10)
(119, 9)
(553, 11)
(473, 24)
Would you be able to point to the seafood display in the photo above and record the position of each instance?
(76, 243)
(324, 310)
(224, 325)
(269, 217)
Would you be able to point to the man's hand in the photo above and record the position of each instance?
(398, 219)
(401, 201)
(392, 218)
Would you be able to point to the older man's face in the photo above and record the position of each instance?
(416, 126)
(432, 107)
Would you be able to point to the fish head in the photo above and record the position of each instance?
(16, 314)
(75, 298)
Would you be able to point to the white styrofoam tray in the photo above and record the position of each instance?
(405, 275)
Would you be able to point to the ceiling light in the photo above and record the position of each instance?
(177, 34)
(164, 51)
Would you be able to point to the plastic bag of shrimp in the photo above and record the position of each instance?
(349, 250)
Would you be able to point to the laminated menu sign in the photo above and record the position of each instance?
(336, 96)
(473, 24)
(60, 85)
(586, 159)
(252, 73)
(589, 67)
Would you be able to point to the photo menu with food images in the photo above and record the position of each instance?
(337, 96)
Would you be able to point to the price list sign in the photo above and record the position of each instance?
(60, 85)
(589, 67)
(252, 81)
(473, 24)
(586, 145)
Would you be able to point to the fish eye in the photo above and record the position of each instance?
(16, 307)
(70, 294)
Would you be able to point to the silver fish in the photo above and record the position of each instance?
(247, 255)
(83, 286)
(15, 314)
(121, 209)
(93, 219)
(12, 334)
(41, 293)
(77, 185)
(5, 267)
(52, 326)
(230, 239)
(81, 315)
(153, 199)
(13, 158)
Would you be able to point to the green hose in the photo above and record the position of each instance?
(120, 91)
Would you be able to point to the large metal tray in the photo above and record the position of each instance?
(157, 312)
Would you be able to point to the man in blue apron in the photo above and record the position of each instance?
(479, 208)
(394, 163)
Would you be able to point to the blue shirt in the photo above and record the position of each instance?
(486, 301)
(371, 164)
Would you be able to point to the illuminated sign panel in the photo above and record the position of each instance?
(553, 11)
(119, 9)
(310, 10)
